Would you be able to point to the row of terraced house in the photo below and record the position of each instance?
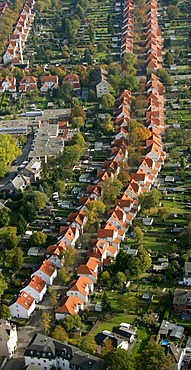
(19, 35)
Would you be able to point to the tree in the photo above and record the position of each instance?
(163, 212)
(38, 238)
(120, 279)
(107, 101)
(105, 303)
(77, 122)
(96, 209)
(3, 284)
(79, 11)
(14, 258)
(9, 237)
(88, 344)
(138, 234)
(53, 297)
(164, 76)
(105, 277)
(5, 312)
(8, 151)
(78, 139)
(168, 58)
(91, 32)
(78, 111)
(4, 217)
(64, 275)
(119, 359)
(72, 322)
(60, 186)
(107, 346)
(154, 355)
(45, 321)
(185, 238)
(59, 334)
(173, 11)
(69, 256)
(39, 199)
(111, 190)
(150, 199)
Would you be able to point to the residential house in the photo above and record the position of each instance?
(28, 83)
(89, 269)
(171, 330)
(36, 288)
(44, 352)
(48, 83)
(23, 307)
(8, 339)
(20, 182)
(117, 341)
(78, 220)
(187, 273)
(81, 288)
(182, 300)
(47, 272)
(101, 82)
(32, 170)
(125, 331)
(7, 84)
(69, 235)
(69, 305)
(74, 80)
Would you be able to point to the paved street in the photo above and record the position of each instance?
(14, 169)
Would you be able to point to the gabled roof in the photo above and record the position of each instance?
(68, 305)
(25, 300)
(48, 268)
(37, 283)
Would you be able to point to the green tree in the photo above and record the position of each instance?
(5, 217)
(138, 234)
(91, 32)
(164, 76)
(39, 199)
(60, 186)
(120, 279)
(173, 11)
(45, 321)
(78, 111)
(111, 190)
(149, 199)
(105, 277)
(163, 212)
(153, 358)
(64, 275)
(59, 334)
(3, 284)
(72, 322)
(14, 258)
(185, 238)
(8, 151)
(77, 122)
(105, 303)
(5, 312)
(9, 237)
(107, 101)
(168, 58)
(88, 344)
(96, 209)
(38, 239)
(119, 359)
(78, 139)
